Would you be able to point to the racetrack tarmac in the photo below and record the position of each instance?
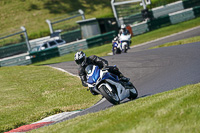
(151, 71)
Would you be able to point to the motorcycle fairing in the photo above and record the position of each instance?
(122, 92)
(115, 44)
(94, 75)
(108, 75)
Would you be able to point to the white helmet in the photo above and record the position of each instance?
(80, 58)
(123, 26)
(116, 38)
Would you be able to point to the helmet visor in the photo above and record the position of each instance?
(79, 61)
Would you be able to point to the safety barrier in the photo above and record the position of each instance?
(133, 18)
(101, 39)
(71, 36)
(196, 11)
(181, 16)
(16, 60)
(72, 47)
(11, 50)
(140, 28)
(169, 8)
(159, 22)
(44, 54)
(191, 3)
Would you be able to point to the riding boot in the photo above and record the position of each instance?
(123, 78)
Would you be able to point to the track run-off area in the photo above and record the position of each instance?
(150, 70)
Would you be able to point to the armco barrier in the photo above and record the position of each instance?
(191, 3)
(16, 60)
(44, 54)
(196, 11)
(181, 16)
(169, 8)
(101, 39)
(133, 18)
(71, 36)
(140, 28)
(72, 47)
(159, 22)
(14, 49)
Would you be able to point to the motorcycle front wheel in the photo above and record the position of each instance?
(114, 51)
(133, 93)
(111, 96)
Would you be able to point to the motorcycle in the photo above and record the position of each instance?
(116, 48)
(125, 42)
(107, 84)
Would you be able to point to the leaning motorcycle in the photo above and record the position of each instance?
(125, 42)
(116, 49)
(107, 84)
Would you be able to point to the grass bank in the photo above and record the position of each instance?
(33, 13)
(105, 49)
(173, 111)
(30, 93)
(179, 42)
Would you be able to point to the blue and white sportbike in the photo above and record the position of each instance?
(107, 84)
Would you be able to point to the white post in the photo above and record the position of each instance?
(26, 36)
(144, 4)
(50, 26)
(114, 11)
(82, 13)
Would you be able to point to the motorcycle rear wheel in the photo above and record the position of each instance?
(112, 97)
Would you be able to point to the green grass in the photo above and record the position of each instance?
(33, 13)
(179, 42)
(30, 93)
(105, 49)
(173, 111)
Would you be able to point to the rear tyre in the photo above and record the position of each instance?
(133, 93)
(111, 96)
(126, 48)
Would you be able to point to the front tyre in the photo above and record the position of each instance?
(111, 96)
(114, 51)
(133, 93)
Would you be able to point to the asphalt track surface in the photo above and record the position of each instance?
(152, 70)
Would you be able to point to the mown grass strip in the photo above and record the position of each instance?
(179, 42)
(31, 93)
(105, 49)
(173, 111)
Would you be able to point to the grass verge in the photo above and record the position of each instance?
(173, 111)
(149, 36)
(30, 93)
(179, 42)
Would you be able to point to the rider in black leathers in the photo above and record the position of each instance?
(83, 62)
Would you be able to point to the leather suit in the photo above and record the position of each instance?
(100, 62)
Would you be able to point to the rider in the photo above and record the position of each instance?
(115, 40)
(83, 61)
(124, 31)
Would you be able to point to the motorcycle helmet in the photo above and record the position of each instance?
(116, 39)
(123, 26)
(80, 58)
